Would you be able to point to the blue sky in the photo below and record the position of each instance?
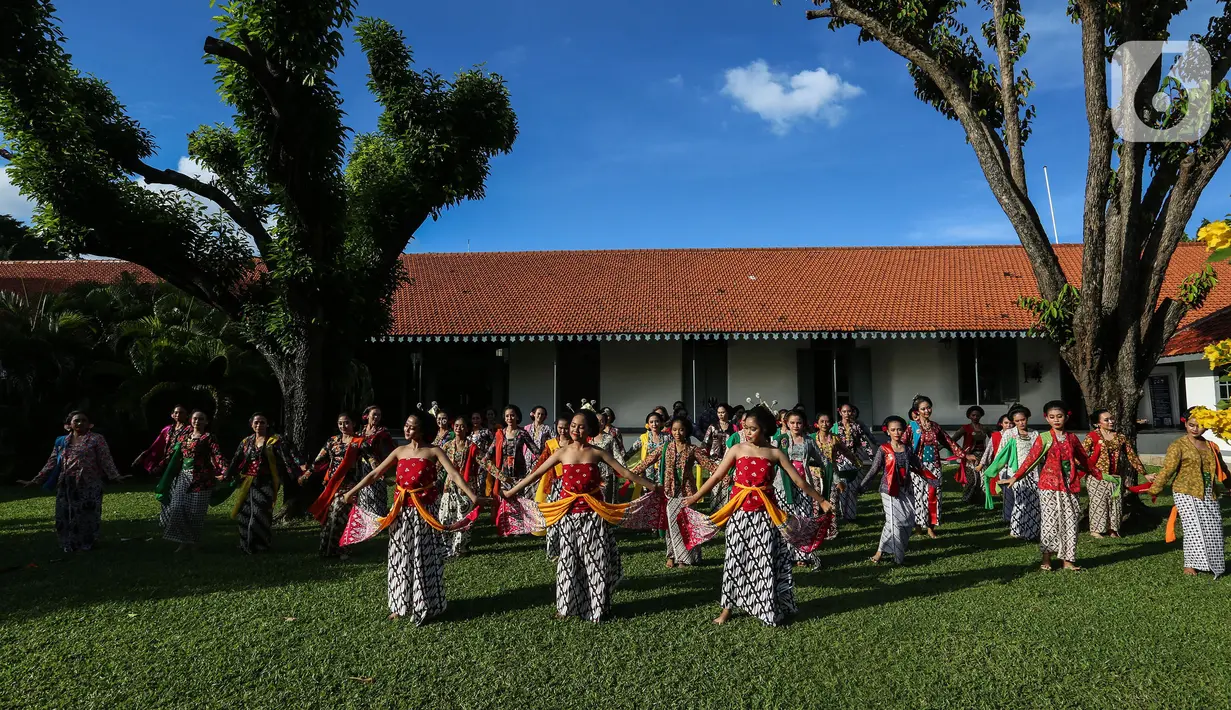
(728, 123)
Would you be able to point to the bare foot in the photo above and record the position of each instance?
(932, 534)
(559, 616)
(670, 563)
(1190, 571)
(1115, 534)
(1071, 567)
(394, 617)
(875, 559)
(1046, 567)
(1097, 535)
(182, 547)
(723, 617)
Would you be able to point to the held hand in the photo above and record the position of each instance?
(1150, 477)
(26, 484)
(827, 506)
(122, 477)
(692, 500)
(349, 497)
(304, 478)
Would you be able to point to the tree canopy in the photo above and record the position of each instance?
(1139, 196)
(311, 216)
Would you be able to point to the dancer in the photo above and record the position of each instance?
(1021, 502)
(1197, 475)
(812, 465)
(342, 463)
(589, 566)
(840, 485)
(377, 445)
(505, 460)
(927, 439)
(1063, 463)
(1109, 452)
(261, 465)
(454, 504)
(416, 549)
(606, 418)
(756, 574)
(195, 467)
(892, 465)
(973, 438)
(673, 471)
(155, 458)
(855, 436)
(1004, 431)
(444, 430)
(608, 440)
(540, 432)
(715, 439)
(650, 441)
(552, 482)
(78, 463)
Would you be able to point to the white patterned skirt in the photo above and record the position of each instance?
(416, 567)
(899, 522)
(589, 567)
(926, 498)
(1025, 519)
(846, 501)
(553, 532)
(183, 518)
(1204, 547)
(676, 551)
(1105, 510)
(756, 574)
(454, 505)
(1061, 512)
(256, 516)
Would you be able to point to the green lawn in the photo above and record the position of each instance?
(969, 622)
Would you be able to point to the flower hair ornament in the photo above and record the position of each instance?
(435, 411)
(590, 405)
(760, 402)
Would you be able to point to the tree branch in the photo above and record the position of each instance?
(986, 144)
(1008, 98)
(247, 221)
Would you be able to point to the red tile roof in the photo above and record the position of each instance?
(1193, 338)
(803, 290)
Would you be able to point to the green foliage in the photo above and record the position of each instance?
(328, 225)
(1196, 287)
(1053, 318)
(18, 242)
(970, 622)
(128, 352)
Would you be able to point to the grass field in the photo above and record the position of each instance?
(968, 623)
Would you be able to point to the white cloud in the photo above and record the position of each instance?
(677, 80)
(11, 201)
(782, 100)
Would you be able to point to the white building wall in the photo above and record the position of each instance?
(903, 368)
(770, 367)
(635, 377)
(1200, 384)
(532, 377)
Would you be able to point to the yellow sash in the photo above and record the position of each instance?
(544, 489)
(611, 512)
(247, 484)
(776, 514)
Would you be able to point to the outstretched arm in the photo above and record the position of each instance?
(625, 473)
(724, 466)
(390, 461)
(547, 464)
(442, 460)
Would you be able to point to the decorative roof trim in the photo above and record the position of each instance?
(760, 335)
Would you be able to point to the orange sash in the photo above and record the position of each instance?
(776, 514)
(320, 509)
(555, 511)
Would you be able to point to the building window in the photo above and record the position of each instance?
(1222, 388)
(987, 371)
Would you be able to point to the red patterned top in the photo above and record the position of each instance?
(581, 478)
(417, 473)
(1064, 463)
(754, 471)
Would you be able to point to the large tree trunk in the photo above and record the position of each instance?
(1117, 386)
(300, 373)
